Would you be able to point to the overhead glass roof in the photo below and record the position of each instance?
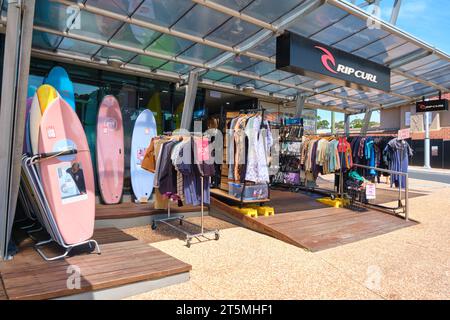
(232, 43)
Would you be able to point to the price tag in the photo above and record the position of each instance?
(404, 134)
(371, 192)
(51, 134)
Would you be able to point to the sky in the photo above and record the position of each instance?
(428, 20)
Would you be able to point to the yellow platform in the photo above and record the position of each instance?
(264, 211)
(250, 212)
(336, 203)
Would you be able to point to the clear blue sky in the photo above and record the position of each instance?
(428, 20)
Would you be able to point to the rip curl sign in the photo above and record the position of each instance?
(432, 105)
(310, 58)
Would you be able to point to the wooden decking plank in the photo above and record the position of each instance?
(133, 210)
(120, 263)
(95, 282)
(361, 236)
(321, 228)
(294, 216)
(325, 225)
(330, 217)
(346, 231)
(3, 295)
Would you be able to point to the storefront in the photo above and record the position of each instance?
(217, 62)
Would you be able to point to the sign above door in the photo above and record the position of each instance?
(306, 57)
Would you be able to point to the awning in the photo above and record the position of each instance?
(232, 44)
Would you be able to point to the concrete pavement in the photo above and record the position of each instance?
(436, 175)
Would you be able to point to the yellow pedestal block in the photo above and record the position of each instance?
(249, 212)
(264, 211)
(337, 203)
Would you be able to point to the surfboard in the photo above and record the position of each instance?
(110, 150)
(68, 180)
(26, 137)
(60, 80)
(141, 180)
(46, 94)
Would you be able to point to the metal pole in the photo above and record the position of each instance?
(407, 198)
(9, 83)
(395, 12)
(13, 106)
(427, 141)
(202, 204)
(189, 101)
(333, 122)
(347, 125)
(300, 105)
(366, 122)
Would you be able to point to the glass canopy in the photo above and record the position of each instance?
(217, 37)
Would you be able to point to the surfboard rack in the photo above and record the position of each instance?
(202, 235)
(44, 214)
(56, 154)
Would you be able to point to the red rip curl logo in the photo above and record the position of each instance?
(327, 58)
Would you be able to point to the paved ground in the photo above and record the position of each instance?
(437, 175)
(411, 263)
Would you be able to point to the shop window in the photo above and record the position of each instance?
(134, 94)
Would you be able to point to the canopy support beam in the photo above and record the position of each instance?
(16, 65)
(300, 105)
(395, 12)
(189, 101)
(347, 125)
(366, 122)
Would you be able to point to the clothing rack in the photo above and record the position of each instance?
(181, 219)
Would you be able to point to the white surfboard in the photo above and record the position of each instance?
(143, 132)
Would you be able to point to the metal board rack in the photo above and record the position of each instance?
(44, 214)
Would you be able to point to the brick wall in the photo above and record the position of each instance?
(443, 133)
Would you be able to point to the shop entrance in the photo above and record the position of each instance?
(300, 200)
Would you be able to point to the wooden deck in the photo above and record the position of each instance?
(2, 291)
(124, 260)
(133, 210)
(314, 226)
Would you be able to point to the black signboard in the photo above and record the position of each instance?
(432, 105)
(300, 55)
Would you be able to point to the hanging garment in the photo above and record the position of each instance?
(149, 161)
(369, 153)
(230, 143)
(160, 202)
(192, 177)
(175, 157)
(167, 175)
(397, 153)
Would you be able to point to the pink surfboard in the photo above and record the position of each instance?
(110, 150)
(68, 180)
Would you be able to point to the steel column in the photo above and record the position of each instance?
(8, 99)
(347, 125)
(395, 12)
(300, 105)
(189, 101)
(333, 122)
(366, 122)
(16, 65)
(427, 162)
